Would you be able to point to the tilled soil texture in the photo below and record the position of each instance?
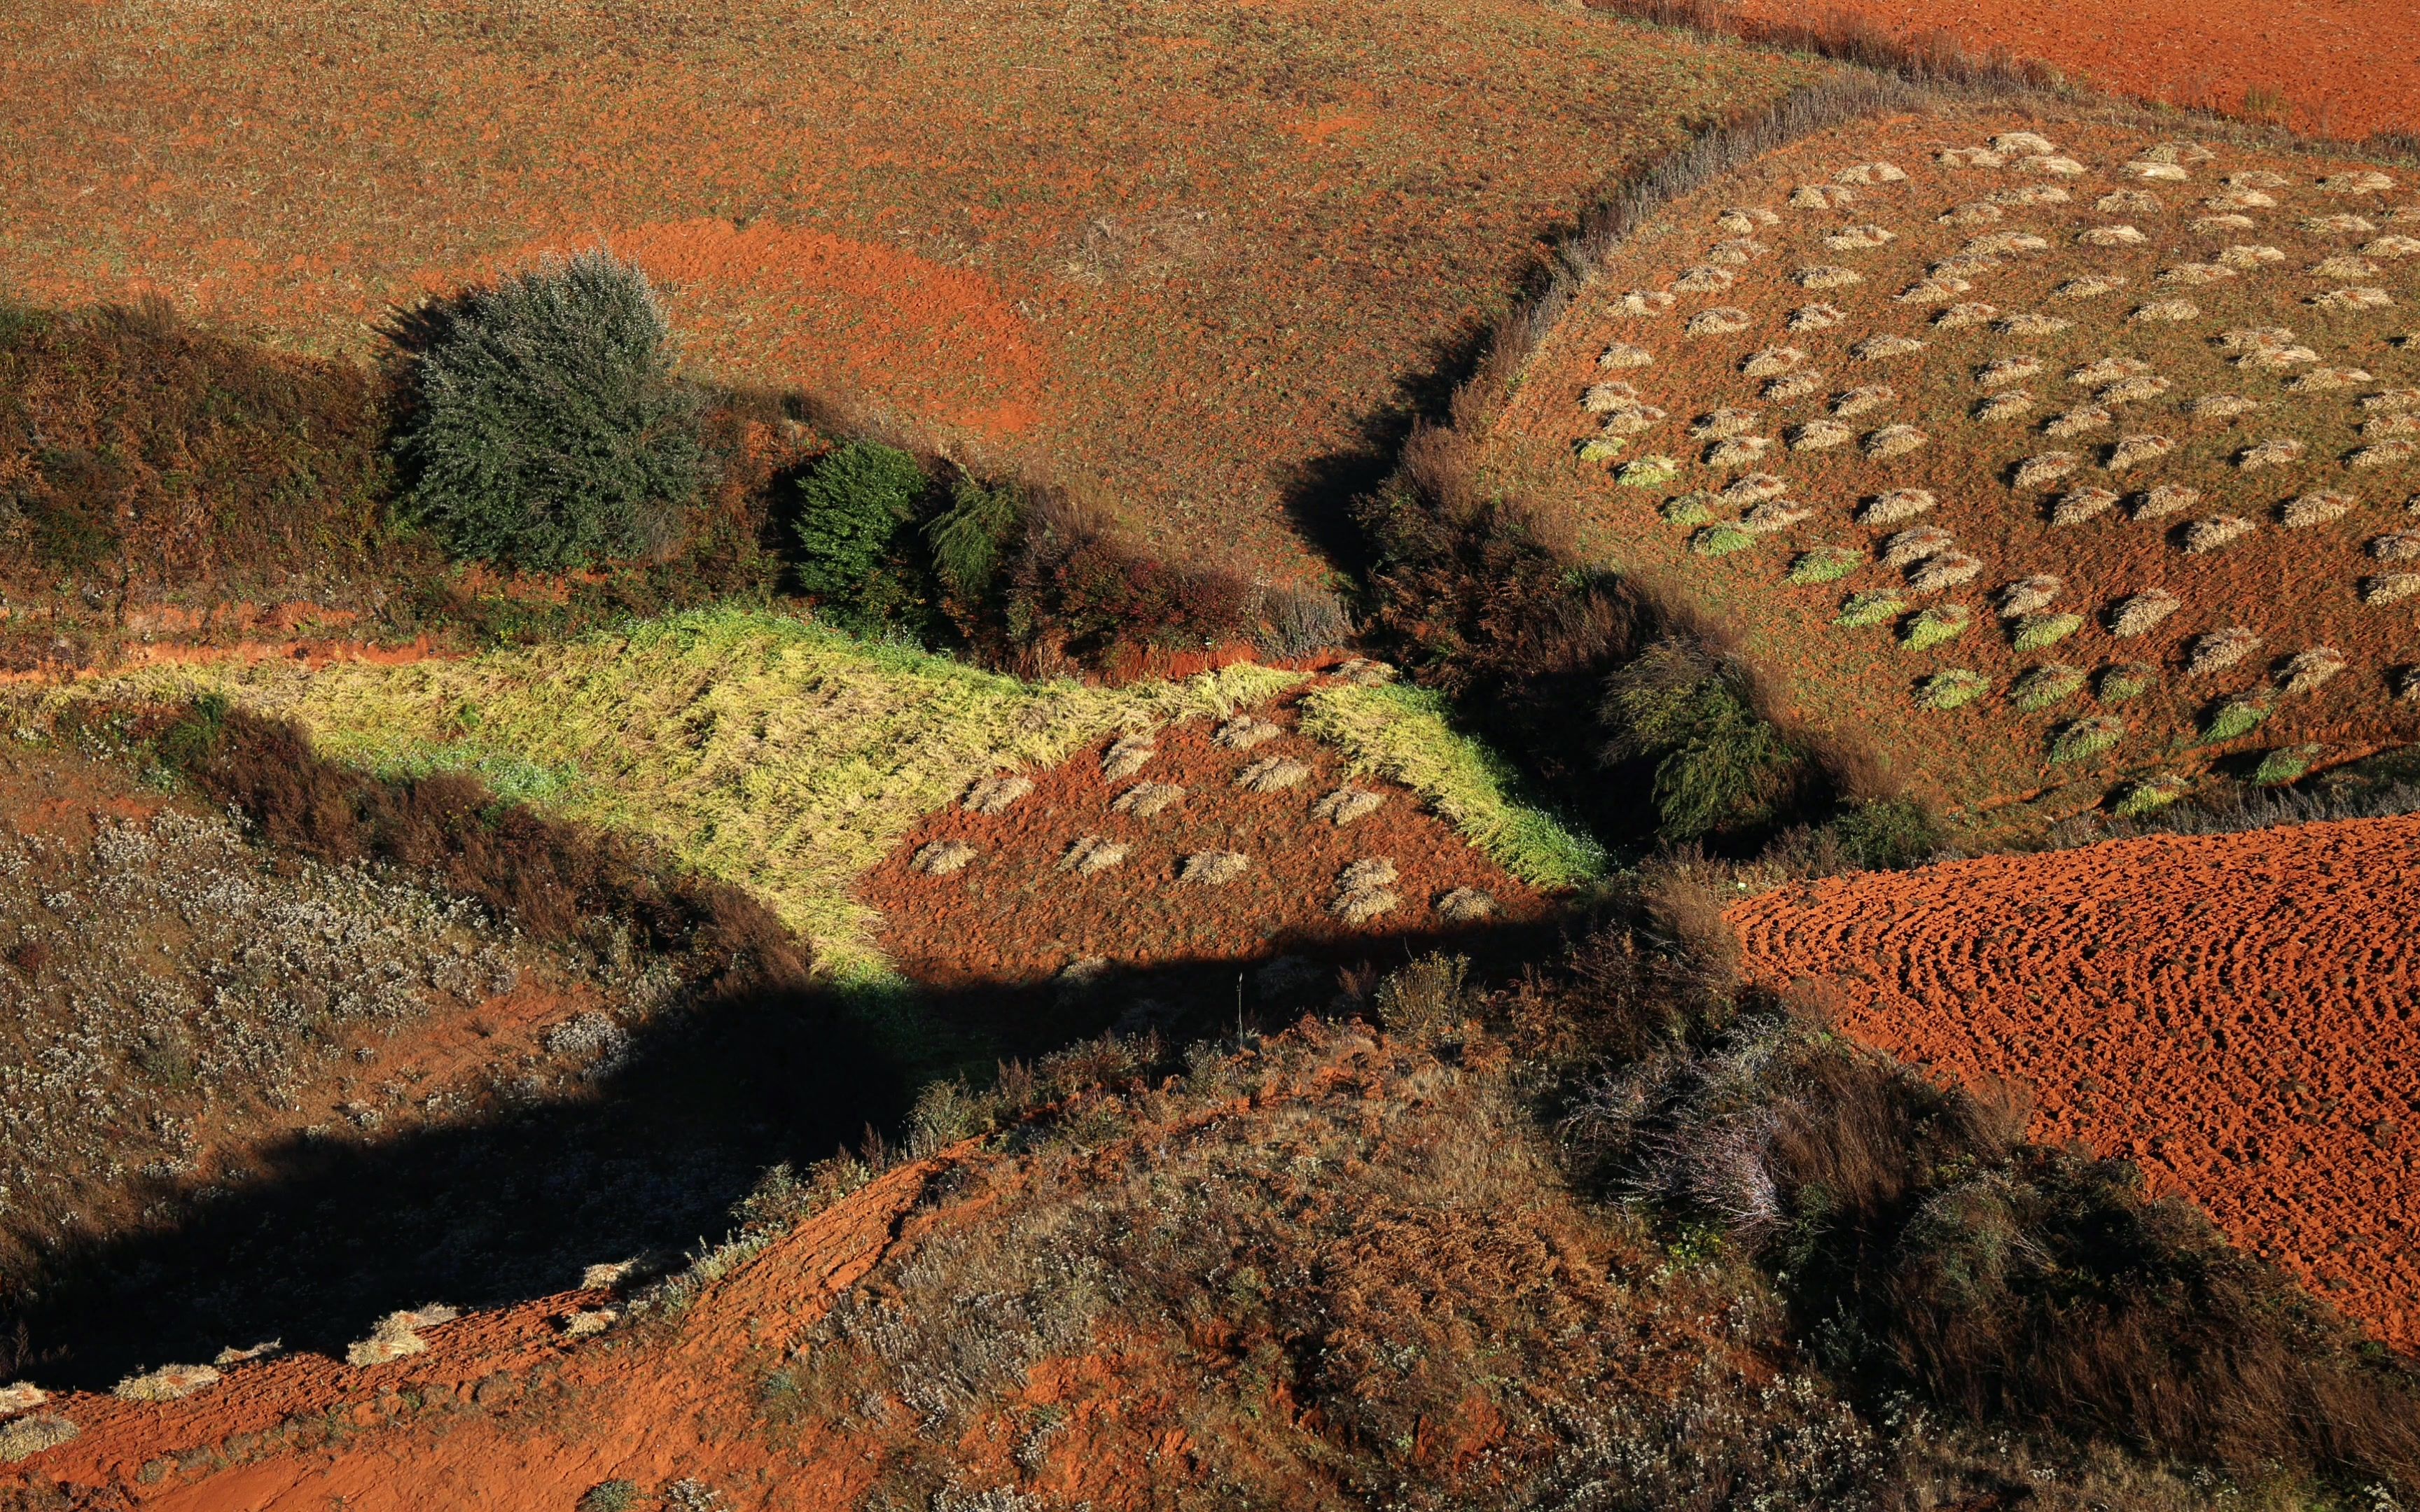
(1023, 912)
(2339, 67)
(2044, 470)
(1182, 252)
(2240, 1014)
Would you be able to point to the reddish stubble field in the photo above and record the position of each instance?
(2239, 1014)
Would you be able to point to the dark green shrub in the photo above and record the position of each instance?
(1718, 764)
(548, 429)
(850, 511)
(970, 538)
(615, 1495)
(1889, 835)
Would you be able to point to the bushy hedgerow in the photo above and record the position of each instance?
(852, 507)
(547, 429)
(1719, 764)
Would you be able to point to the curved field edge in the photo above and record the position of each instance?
(1402, 733)
(769, 752)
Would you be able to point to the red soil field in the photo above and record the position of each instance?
(1178, 255)
(2296, 587)
(1015, 917)
(2238, 1014)
(2339, 67)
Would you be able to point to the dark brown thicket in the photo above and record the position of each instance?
(555, 881)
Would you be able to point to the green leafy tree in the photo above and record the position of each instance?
(850, 511)
(550, 431)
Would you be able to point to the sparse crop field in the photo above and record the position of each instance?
(2345, 67)
(2053, 461)
(1182, 253)
(2235, 1013)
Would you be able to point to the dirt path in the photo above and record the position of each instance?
(2238, 1014)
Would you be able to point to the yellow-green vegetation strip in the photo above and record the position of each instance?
(764, 750)
(1401, 733)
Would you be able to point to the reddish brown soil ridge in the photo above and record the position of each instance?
(2240, 1014)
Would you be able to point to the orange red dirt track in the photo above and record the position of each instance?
(2344, 68)
(2240, 1014)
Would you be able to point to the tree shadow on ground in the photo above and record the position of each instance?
(646, 1159)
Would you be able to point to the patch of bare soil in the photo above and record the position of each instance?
(2240, 1014)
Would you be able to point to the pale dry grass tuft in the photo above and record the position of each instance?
(1894, 440)
(2091, 287)
(1746, 220)
(1882, 349)
(603, 1276)
(2400, 547)
(1895, 507)
(1817, 317)
(2168, 311)
(2135, 389)
(2341, 225)
(2221, 407)
(2077, 505)
(2107, 370)
(2384, 454)
(1860, 238)
(1739, 452)
(1858, 401)
(1774, 516)
(2009, 404)
(2344, 265)
(2133, 451)
(397, 1335)
(2044, 469)
(2026, 596)
(2219, 650)
(1465, 905)
(2165, 500)
(1722, 321)
(586, 1322)
(25, 1437)
(20, 1396)
(1818, 436)
(1754, 489)
(1273, 774)
(995, 795)
(2111, 236)
(1960, 317)
(1771, 362)
(2007, 370)
(1621, 355)
(2307, 670)
(2359, 182)
(2353, 299)
(2209, 224)
(1910, 546)
(2316, 508)
(1243, 731)
(1092, 856)
(2082, 420)
(2195, 275)
(1943, 572)
(1824, 276)
(2328, 380)
(1144, 799)
(2393, 248)
(1644, 303)
(1722, 424)
(942, 858)
(1126, 756)
(1707, 279)
(1792, 387)
(2246, 258)
(2275, 452)
(2389, 588)
(2217, 532)
(2141, 613)
(165, 1384)
(2034, 324)
(2127, 202)
(1215, 868)
(1347, 804)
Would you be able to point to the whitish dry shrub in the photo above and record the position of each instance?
(1739, 452)
(1895, 507)
(1859, 238)
(2358, 297)
(1127, 755)
(2213, 534)
(1144, 799)
(1945, 571)
(1882, 349)
(2081, 421)
(2157, 172)
(2254, 338)
(585, 1322)
(2133, 451)
(1771, 360)
(1820, 196)
(1969, 158)
(2167, 310)
(1243, 731)
(2219, 650)
(995, 795)
(2002, 370)
(1746, 220)
(2034, 324)
(2344, 265)
(165, 1384)
(1754, 489)
(2245, 257)
(1823, 276)
(1364, 891)
(2133, 389)
(2107, 370)
(2307, 670)
(2054, 164)
(2083, 739)
(2339, 225)
(1792, 386)
(2328, 380)
(2038, 687)
(2211, 225)
(2009, 404)
(2042, 470)
(2316, 508)
(1910, 546)
(1974, 212)
(2141, 613)
(1705, 280)
(2111, 236)
(1960, 317)
(942, 858)
(2127, 202)
(1894, 440)
(2196, 275)
(1092, 856)
(2399, 547)
(25, 1437)
(2026, 596)
(2221, 407)
(1817, 317)
(1722, 424)
(1347, 804)
(20, 1396)
(602, 1276)
(1214, 869)
(1273, 774)
(2077, 505)
(2394, 247)
(2360, 181)
(1774, 516)
(397, 1335)
(1871, 173)
(2089, 287)
(1936, 290)
(1465, 905)
(1643, 303)
(2393, 401)
(2389, 588)
(2269, 454)
(1820, 436)
(1737, 252)
(2241, 199)
(1722, 321)
(1621, 355)
(2255, 178)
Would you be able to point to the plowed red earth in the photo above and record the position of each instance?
(1015, 916)
(2345, 67)
(2239, 1014)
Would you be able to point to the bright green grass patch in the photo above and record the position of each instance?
(767, 751)
(2040, 688)
(1401, 734)
(1937, 625)
(2127, 680)
(2284, 765)
(2151, 793)
(2236, 717)
(1952, 689)
(1720, 541)
(2035, 631)
(2083, 739)
(1601, 448)
(1647, 473)
(1689, 509)
(1879, 606)
(1825, 564)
